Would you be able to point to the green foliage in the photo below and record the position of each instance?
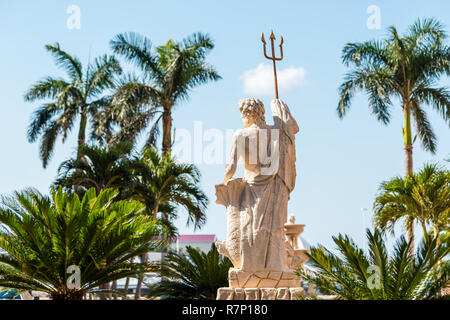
(353, 274)
(169, 73)
(192, 275)
(423, 197)
(101, 168)
(43, 236)
(82, 94)
(407, 67)
(158, 181)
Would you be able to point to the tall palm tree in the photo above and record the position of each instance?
(164, 185)
(406, 67)
(192, 274)
(102, 168)
(356, 275)
(169, 73)
(81, 95)
(43, 236)
(423, 197)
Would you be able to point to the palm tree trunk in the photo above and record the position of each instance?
(407, 139)
(82, 133)
(163, 253)
(167, 130)
(137, 295)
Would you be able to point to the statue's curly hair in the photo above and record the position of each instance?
(252, 109)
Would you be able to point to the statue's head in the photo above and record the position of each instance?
(252, 112)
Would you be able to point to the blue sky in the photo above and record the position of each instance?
(340, 163)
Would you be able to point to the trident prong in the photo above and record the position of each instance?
(273, 57)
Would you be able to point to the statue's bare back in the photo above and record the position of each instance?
(257, 203)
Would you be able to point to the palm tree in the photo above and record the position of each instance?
(192, 275)
(102, 168)
(423, 197)
(356, 275)
(407, 67)
(44, 236)
(169, 74)
(165, 185)
(81, 95)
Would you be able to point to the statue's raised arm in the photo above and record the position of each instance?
(288, 127)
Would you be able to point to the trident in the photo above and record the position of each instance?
(273, 58)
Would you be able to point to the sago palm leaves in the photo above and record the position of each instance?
(192, 275)
(43, 236)
(79, 96)
(356, 275)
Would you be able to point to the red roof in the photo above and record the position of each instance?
(197, 238)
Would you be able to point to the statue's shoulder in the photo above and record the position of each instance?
(245, 132)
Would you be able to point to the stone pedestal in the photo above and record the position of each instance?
(262, 279)
(269, 285)
(261, 285)
(282, 293)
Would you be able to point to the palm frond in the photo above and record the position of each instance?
(101, 77)
(424, 130)
(192, 274)
(137, 49)
(69, 63)
(98, 234)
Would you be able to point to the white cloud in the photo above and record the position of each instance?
(260, 80)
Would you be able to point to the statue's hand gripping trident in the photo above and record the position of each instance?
(273, 57)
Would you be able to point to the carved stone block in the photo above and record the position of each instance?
(239, 294)
(251, 293)
(283, 294)
(297, 293)
(260, 293)
(225, 294)
(268, 293)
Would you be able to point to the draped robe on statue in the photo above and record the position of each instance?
(257, 204)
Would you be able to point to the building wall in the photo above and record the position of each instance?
(204, 246)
